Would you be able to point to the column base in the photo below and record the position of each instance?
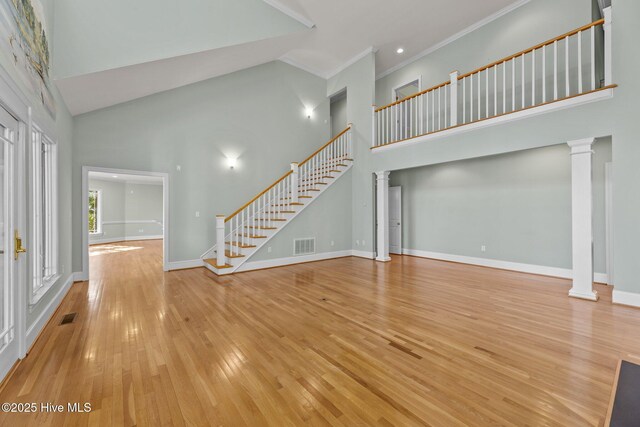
(383, 259)
(591, 296)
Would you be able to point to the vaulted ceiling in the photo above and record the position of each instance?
(107, 53)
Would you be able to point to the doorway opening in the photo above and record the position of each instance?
(338, 112)
(124, 211)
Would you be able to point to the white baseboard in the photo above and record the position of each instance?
(123, 239)
(363, 254)
(36, 327)
(281, 262)
(626, 298)
(563, 273)
(182, 265)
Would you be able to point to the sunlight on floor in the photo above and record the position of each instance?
(111, 249)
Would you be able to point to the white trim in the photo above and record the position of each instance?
(363, 254)
(146, 221)
(46, 314)
(290, 13)
(281, 262)
(123, 239)
(518, 115)
(454, 37)
(181, 265)
(626, 298)
(608, 214)
(564, 273)
(351, 61)
(85, 212)
(303, 67)
(406, 83)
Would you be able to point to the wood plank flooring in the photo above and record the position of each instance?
(339, 342)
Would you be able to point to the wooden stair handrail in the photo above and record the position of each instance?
(531, 49)
(258, 196)
(334, 139)
(400, 101)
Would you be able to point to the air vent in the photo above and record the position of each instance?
(68, 318)
(304, 246)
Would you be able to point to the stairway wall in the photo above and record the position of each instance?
(327, 219)
(256, 115)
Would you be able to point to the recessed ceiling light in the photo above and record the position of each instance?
(115, 176)
(400, 51)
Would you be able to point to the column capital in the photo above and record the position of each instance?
(383, 175)
(579, 146)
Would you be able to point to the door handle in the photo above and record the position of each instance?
(18, 249)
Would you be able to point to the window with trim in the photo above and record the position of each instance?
(95, 223)
(44, 208)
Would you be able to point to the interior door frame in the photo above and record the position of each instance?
(608, 214)
(85, 212)
(405, 83)
(389, 219)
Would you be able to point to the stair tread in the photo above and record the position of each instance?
(254, 236)
(277, 212)
(241, 245)
(271, 219)
(212, 262)
(229, 255)
(258, 227)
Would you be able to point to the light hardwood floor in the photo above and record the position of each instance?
(341, 342)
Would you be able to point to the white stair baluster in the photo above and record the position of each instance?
(523, 83)
(533, 77)
(566, 66)
(579, 61)
(555, 70)
(544, 74)
(513, 84)
(593, 57)
(221, 258)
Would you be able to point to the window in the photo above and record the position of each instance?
(95, 223)
(44, 207)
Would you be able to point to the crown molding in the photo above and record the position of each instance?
(294, 63)
(290, 13)
(454, 37)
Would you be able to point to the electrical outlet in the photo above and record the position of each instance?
(269, 249)
(333, 243)
(140, 230)
(178, 168)
(357, 242)
(483, 248)
(363, 243)
(197, 214)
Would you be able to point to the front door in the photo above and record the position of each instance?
(9, 349)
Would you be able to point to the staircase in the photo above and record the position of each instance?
(240, 235)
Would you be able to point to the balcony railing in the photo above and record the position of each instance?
(562, 68)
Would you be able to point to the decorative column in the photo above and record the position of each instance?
(608, 43)
(294, 183)
(454, 98)
(221, 259)
(582, 219)
(382, 216)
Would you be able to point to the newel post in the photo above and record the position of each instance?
(221, 260)
(453, 102)
(374, 134)
(608, 43)
(294, 182)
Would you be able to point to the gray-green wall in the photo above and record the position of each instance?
(338, 115)
(517, 205)
(256, 115)
(123, 206)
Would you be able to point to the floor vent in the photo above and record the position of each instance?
(304, 246)
(68, 318)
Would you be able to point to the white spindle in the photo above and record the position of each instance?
(533, 77)
(592, 33)
(464, 100)
(504, 87)
(495, 90)
(523, 83)
(471, 103)
(608, 43)
(479, 97)
(513, 84)
(566, 66)
(555, 70)
(487, 93)
(579, 61)
(544, 74)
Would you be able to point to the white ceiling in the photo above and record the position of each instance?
(131, 179)
(343, 30)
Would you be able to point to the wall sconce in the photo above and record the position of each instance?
(232, 162)
(308, 112)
